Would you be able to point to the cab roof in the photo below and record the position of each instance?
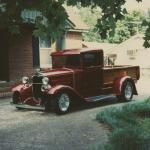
(75, 51)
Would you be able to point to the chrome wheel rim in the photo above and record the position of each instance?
(128, 91)
(64, 102)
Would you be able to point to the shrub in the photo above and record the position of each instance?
(130, 124)
(129, 138)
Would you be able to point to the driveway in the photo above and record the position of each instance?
(36, 130)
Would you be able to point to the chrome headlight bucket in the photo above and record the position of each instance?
(25, 80)
(45, 80)
(45, 87)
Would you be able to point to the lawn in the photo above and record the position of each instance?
(129, 126)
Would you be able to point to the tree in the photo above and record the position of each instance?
(112, 11)
(134, 21)
(122, 33)
(93, 14)
(127, 27)
(50, 21)
(146, 23)
(53, 11)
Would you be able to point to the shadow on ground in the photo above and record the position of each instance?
(81, 106)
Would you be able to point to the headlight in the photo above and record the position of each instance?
(45, 87)
(45, 80)
(25, 80)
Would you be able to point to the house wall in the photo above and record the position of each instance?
(4, 74)
(20, 55)
(73, 39)
(45, 57)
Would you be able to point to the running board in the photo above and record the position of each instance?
(98, 98)
(24, 106)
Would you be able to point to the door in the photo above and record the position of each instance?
(92, 74)
(92, 81)
(4, 56)
(45, 51)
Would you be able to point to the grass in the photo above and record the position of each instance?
(130, 126)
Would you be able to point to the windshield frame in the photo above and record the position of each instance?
(56, 63)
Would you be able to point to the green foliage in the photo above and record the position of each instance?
(147, 33)
(112, 116)
(121, 34)
(92, 36)
(130, 124)
(145, 125)
(93, 14)
(127, 27)
(55, 15)
(51, 20)
(112, 11)
(129, 138)
(134, 21)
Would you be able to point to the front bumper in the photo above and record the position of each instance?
(25, 106)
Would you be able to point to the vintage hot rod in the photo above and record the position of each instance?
(77, 74)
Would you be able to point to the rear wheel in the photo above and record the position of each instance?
(61, 104)
(127, 92)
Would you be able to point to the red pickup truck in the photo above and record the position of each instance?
(77, 74)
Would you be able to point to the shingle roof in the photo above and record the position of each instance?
(107, 47)
(135, 42)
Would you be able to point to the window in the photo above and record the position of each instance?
(45, 42)
(58, 61)
(45, 50)
(73, 60)
(92, 59)
(132, 53)
(61, 43)
(66, 61)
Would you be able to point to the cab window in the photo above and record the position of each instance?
(91, 59)
(73, 60)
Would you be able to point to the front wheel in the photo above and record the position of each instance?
(61, 103)
(16, 98)
(127, 92)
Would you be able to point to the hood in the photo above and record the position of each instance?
(54, 72)
(60, 76)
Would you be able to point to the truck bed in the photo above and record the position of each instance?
(110, 73)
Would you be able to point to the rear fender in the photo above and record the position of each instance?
(118, 85)
(60, 88)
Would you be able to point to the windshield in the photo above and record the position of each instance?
(66, 61)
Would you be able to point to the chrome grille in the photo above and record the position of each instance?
(36, 86)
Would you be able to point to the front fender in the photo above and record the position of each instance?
(118, 84)
(60, 88)
(25, 91)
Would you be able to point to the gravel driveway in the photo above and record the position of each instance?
(36, 130)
